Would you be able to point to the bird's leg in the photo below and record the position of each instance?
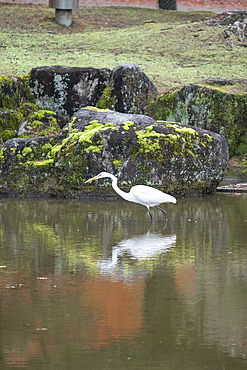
(162, 211)
(165, 225)
(150, 214)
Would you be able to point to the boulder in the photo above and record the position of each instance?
(129, 90)
(40, 123)
(139, 150)
(12, 91)
(227, 18)
(66, 89)
(218, 105)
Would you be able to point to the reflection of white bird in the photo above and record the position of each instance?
(140, 248)
(142, 194)
(145, 246)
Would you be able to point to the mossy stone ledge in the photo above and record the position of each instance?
(218, 105)
(178, 159)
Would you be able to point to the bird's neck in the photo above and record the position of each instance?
(120, 192)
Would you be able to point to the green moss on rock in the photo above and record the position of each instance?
(212, 108)
(41, 123)
(41, 163)
(166, 105)
(126, 125)
(118, 163)
(11, 119)
(26, 151)
(107, 101)
(157, 154)
(29, 97)
(8, 134)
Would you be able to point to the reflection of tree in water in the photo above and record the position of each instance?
(212, 291)
(52, 313)
(93, 309)
(210, 273)
(95, 305)
(114, 310)
(203, 222)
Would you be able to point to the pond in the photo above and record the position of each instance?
(95, 285)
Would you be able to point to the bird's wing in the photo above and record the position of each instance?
(146, 195)
(149, 196)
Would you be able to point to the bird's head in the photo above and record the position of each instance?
(100, 176)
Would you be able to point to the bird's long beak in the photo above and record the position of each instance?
(93, 178)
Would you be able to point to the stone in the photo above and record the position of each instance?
(129, 89)
(218, 105)
(175, 158)
(66, 89)
(226, 18)
(40, 123)
(63, 17)
(12, 91)
(86, 115)
(63, 12)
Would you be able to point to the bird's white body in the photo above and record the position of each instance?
(148, 196)
(142, 194)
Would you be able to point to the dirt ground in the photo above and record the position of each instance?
(35, 18)
(216, 6)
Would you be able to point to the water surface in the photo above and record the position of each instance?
(95, 285)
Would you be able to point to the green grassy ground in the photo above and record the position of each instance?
(171, 47)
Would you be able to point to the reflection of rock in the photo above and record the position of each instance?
(138, 248)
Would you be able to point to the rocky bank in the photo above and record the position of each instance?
(52, 143)
(138, 149)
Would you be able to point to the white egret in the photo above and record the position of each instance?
(142, 194)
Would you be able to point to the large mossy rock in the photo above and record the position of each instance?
(14, 95)
(65, 89)
(218, 105)
(129, 90)
(12, 91)
(139, 150)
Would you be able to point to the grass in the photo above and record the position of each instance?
(171, 47)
